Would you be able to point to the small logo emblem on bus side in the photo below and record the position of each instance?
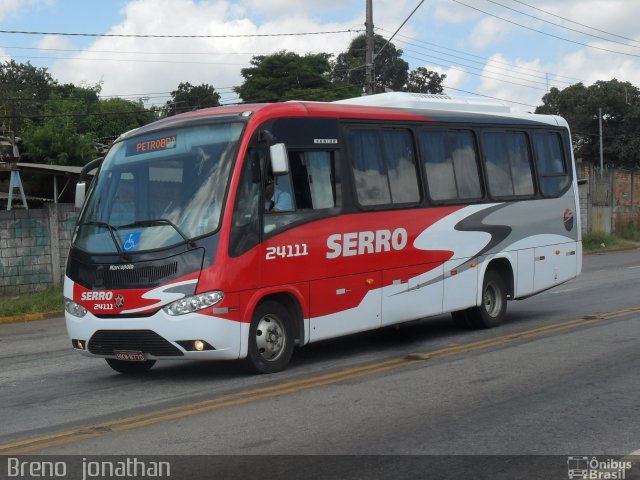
(119, 301)
(567, 218)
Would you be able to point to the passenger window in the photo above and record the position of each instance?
(310, 187)
(551, 163)
(451, 165)
(508, 164)
(384, 167)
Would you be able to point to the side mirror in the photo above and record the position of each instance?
(81, 190)
(279, 159)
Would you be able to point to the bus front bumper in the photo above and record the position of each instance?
(157, 337)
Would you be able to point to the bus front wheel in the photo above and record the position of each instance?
(491, 311)
(270, 338)
(125, 367)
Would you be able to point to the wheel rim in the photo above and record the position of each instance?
(271, 337)
(492, 300)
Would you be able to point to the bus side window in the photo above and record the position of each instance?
(311, 184)
(451, 164)
(552, 166)
(384, 166)
(508, 164)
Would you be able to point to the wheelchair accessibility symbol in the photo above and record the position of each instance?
(131, 241)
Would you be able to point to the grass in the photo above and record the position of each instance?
(628, 238)
(42, 301)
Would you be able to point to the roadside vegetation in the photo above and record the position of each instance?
(628, 238)
(43, 301)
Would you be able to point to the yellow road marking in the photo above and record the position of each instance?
(241, 398)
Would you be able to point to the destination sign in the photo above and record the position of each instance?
(152, 145)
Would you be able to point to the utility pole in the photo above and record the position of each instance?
(601, 147)
(369, 72)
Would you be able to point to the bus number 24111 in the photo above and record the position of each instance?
(284, 251)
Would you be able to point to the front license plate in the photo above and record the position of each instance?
(129, 356)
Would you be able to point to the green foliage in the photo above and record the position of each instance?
(43, 301)
(600, 242)
(289, 76)
(188, 97)
(422, 80)
(73, 118)
(390, 71)
(631, 232)
(620, 104)
(23, 91)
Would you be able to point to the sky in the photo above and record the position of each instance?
(511, 50)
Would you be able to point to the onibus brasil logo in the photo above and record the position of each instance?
(583, 467)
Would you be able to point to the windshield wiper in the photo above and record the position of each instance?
(156, 221)
(111, 228)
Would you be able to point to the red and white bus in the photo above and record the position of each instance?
(241, 232)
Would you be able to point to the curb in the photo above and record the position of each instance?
(29, 317)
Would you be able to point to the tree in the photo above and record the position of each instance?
(620, 104)
(73, 119)
(23, 91)
(288, 76)
(118, 116)
(422, 80)
(390, 71)
(188, 97)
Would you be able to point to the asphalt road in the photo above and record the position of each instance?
(559, 378)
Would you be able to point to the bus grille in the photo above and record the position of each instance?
(148, 276)
(104, 342)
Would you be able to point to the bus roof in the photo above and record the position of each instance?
(398, 106)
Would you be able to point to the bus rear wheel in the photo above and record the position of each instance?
(130, 368)
(270, 338)
(491, 312)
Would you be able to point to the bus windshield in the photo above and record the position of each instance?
(159, 190)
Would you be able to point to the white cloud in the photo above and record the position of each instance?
(9, 8)
(54, 42)
(490, 31)
(455, 77)
(216, 61)
(518, 81)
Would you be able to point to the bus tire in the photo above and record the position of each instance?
(129, 368)
(270, 338)
(493, 307)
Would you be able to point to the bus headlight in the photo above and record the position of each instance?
(74, 308)
(193, 303)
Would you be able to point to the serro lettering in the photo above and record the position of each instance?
(96, 296)
(363, 243)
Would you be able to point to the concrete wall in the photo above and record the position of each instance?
(34, 245)
(612, 199)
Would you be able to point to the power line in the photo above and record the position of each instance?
(139, 35)
(573, 21)
(76, 59)
(546, 33)
(488, 67)
(163, 53)
(484, 59)
(560, 26)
